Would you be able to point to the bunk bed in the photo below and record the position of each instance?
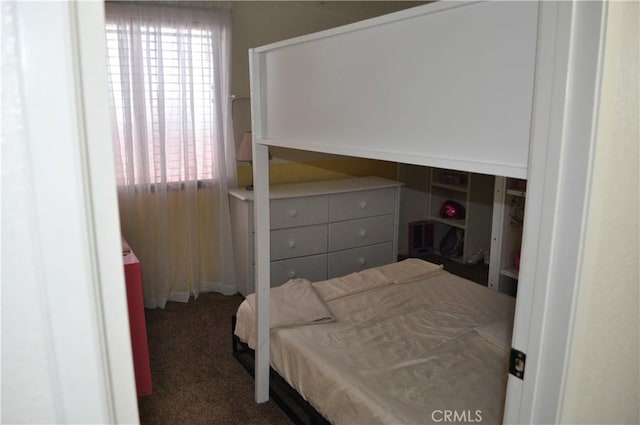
(500, 88)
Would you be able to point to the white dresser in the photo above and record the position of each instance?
(319, 230)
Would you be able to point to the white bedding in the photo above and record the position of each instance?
(405, 347)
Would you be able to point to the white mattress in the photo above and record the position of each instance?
(398, 353)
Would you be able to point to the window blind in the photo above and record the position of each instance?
(161, 78)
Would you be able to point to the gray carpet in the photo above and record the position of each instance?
(196, 380)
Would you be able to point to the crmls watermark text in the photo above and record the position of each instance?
(456, 416)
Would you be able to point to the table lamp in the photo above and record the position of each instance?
(245, 153)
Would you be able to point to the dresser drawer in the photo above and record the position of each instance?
(313, 268)
(345, 206)
(354, 260)
(298, 242)
(292, 212)
(361, 232)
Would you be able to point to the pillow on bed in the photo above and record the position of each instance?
(342, 286)
(402, 272)
(294, 303)
(406, 270)
(497, 333)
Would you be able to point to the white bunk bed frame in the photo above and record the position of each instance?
(537, 65)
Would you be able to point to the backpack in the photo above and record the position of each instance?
(452, 243)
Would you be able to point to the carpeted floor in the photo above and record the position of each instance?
(196, 380)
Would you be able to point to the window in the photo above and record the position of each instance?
(162, 81)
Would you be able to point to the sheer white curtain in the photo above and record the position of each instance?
(173, 140)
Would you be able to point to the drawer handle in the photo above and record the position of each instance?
(364, 204)
(362, 261)
(363, 233)
(293, 213)
(292, 243)
(292, 274)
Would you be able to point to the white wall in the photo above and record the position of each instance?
(603, 372)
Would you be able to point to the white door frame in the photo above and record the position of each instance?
(89, 33)
(62, 52)
(568, 73)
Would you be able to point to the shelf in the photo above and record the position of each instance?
(474, 193)
(457, 188)
(515, 192)
(460, 224)
(511, 272)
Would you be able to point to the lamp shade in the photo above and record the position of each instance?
(245, 150)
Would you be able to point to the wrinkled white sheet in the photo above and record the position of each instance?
(400, 353)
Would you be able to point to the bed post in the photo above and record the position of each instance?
(262, 243)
